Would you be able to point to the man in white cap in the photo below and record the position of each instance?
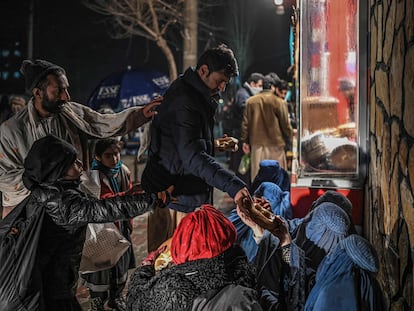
(50, 111)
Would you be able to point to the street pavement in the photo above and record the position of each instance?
(139, 235)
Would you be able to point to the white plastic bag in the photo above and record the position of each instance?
(104, 246)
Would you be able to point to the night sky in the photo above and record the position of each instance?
(74, 37)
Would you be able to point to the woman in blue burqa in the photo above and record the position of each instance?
(286, 266)
(346, 278)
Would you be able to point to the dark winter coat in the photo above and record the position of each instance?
(181, 152)
(67, 211)
(191, 284)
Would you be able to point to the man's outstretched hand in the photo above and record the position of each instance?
(149, 109)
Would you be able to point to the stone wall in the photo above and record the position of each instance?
(389, 220)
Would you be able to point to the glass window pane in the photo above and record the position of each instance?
(329, 88)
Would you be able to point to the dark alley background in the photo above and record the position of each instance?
(71, 35)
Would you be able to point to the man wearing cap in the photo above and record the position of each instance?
(181, 152)
(50, 111)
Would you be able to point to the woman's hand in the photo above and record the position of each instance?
(281, 231)
(263, 202)
(257, 230)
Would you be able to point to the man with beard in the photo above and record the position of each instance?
(50, 111)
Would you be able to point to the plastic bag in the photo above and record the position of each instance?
(19, 240)
(244, 164)
(104, 246)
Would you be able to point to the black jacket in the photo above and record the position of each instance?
(181, 152)
(59, 212)
(68, 211)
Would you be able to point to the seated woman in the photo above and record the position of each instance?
(286, 266)
(208, 271)
(346, 278)
(273, 184)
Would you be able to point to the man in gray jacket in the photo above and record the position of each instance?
(50, 111)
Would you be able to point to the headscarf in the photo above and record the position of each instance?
(337, 198)
(47, 161)
(270, 170)
(329, 225)
(348, 271)
(321, 230)
(205, 233)
(111, 173)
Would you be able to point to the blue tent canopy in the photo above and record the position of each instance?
(128, 88)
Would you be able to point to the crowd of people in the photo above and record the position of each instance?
(257, 257)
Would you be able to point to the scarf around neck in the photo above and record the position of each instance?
(110, 173)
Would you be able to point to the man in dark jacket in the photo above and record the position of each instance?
(181, 152)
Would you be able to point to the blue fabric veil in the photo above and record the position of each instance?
(346, 278)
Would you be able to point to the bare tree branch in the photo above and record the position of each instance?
(154, 20)
(150, 19)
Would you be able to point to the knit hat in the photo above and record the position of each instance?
(205, 233)
(361, 252)
(329, 224)
(34, 71)
(337, 198)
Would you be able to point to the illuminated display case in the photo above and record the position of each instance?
(332, 98)
(332, 94)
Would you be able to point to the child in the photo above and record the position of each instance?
(52, 174)
(111, 177)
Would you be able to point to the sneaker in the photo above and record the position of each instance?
(117, 304)
(97, 304)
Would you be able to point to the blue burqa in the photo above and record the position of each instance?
(346, 279)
